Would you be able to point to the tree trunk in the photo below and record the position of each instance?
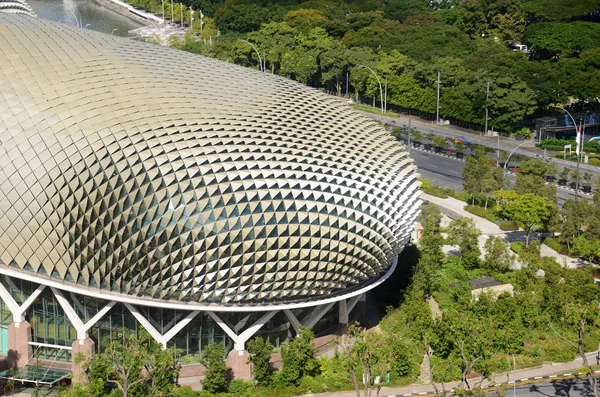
(591, 376)
(353, 374)
(527, 231)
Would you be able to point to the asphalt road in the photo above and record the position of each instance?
(563, 388)
(528, 148)
(447, 172)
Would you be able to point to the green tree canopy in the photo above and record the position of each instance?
(531, 210)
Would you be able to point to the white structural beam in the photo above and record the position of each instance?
(162, 339)
(80, 327)
(310, 321)
(343, 312)
(292, 319)
(239, 341)
(346, 307)
(317, 314)
(351, 303)
(18, 311)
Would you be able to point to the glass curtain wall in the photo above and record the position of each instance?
(51, 326)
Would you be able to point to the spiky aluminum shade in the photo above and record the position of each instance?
(135, 169)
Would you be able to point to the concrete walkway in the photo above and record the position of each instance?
(454, 208)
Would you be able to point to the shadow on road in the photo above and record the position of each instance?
(564, 388)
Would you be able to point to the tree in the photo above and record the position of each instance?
(469, 338)
(497, 254)
(135, 364)
(213, 358)
(577, 320)
(480, 177)
(260, 356)
(430, 244)
(464, 233)
(572, 218)
(555, 39)
(439, 141)
(335, 61)
(367, 355)
(299, 357)
(532, 211)
(531, 179)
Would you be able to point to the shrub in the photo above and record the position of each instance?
(559, 144)
(242, 388)
(524, 132)
(429, 188)
(518, 247)
(462, 196)
(481, 212)
(509, 226)
(558, 352)
(556, 246)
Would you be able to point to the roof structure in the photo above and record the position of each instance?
(134, 169)
(15, 7)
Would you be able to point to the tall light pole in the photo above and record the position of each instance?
(514, 376)
(181, 10)
(385, 97)
(577, 154)
(163, 5)
(74, 16)
(201, 22)
(380, 87)
(487, 97)
(437, 114)
(113, 31)
(257, 53)
(511, 153)
(172, 13)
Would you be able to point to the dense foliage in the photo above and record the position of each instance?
(320, 43)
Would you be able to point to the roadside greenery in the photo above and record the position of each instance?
(320, 43)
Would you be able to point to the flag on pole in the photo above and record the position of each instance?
(578, 138)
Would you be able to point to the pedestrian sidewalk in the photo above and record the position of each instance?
(506, 378)
(454, 208)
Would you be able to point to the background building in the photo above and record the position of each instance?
(146, 187)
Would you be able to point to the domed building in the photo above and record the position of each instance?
(146, 187)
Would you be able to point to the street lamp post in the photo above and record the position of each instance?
(172, 13)
(163, 7)
(577, 154)
(113, 31)
(260, 64)
(437, 115)
(74, 16)
(511, 153)
(514, 376)
(380, 87)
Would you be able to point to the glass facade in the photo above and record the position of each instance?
(5, 321)
(51, 326)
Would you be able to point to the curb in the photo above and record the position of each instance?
(569, 375)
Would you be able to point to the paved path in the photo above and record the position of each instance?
(455, 208)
